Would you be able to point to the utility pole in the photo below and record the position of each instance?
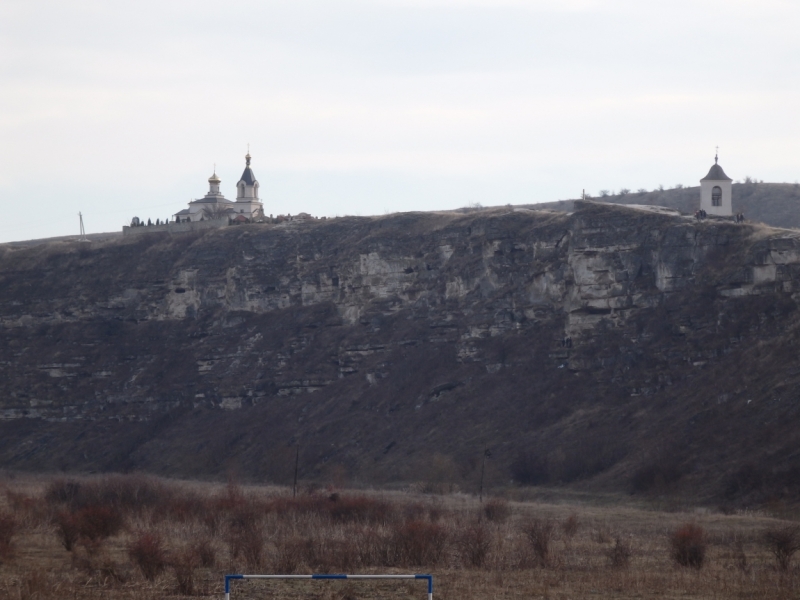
(296, 463)
(486, 454)
(82, 237)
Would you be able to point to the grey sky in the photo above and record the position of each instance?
(119, 109)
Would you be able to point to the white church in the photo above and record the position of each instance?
(715, 192)
(215, 206)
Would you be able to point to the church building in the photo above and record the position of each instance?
(215, 206)
(715, 192)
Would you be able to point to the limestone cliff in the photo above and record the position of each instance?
(614, 347)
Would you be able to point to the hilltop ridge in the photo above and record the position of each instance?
(611, 348)
(775, 204)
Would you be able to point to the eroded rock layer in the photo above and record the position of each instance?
(613, 347)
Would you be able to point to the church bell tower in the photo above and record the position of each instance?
(715, 191)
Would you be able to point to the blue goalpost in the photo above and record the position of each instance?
(230, 578)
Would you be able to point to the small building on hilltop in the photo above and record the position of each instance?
(215, 206)
(716, 192)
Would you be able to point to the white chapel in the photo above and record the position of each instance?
(214, 205)
(715, 191)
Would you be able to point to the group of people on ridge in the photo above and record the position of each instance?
(701, 214)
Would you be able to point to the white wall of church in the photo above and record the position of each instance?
(706, 203)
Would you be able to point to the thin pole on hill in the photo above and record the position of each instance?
(486, 454)
(296, 463)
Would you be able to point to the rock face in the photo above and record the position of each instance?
(623, 348)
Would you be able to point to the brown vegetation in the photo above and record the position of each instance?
(142, 537)
(688, 544)
(783, 542)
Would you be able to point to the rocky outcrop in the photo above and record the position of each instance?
(376, 343)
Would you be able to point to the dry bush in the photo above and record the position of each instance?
(67, 529)
(8, 528)
(244, 533)
(739, 557)
(540, 533)
(435, 513)
(91, 525)
(783, 542)
(124, 493)
(147, 552)
(571, 525)
(289, 555)
(61, 491)
(98, 566)
(251, 544)
(361, 509)
(619, 555)
(99, 522)
(602, 535)
(419, 543)
(496, 510)
(336, 555)
(414, 511)
(184, 562)
(35, 586)
(205, 552)
(183, 508)
(688, 545)
(375, 546)
(473, 543)
(28, 510)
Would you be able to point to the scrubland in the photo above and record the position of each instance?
(123, 537)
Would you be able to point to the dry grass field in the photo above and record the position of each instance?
(126, 537)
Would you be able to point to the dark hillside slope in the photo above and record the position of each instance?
(395, 349)
(776, 204)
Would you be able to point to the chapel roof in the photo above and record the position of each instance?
(716, 174)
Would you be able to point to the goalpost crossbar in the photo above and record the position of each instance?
(230, 578)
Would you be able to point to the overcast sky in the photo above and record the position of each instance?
(118, 108)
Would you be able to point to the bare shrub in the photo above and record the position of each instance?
(61, 491)
(8, 527)
(419, 543)
(571, 525)
(688, 545)
(91, 525)
(244, 531)
(289, 554)
(602, 535)
(337, 554)
(124, 493)
(184, 563)
(783, 542)
(35, 585)
(739, 557)
(252, 547)
(619, 555)
(183, 508)
(362, 509)
(473, 544)
(540, 533)
(98, 565)
(496, 510)
(147, 552)
(375, 547)
(99, 522)
(29, 511)
(414, 511)
(67, 529)
(205, 552)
